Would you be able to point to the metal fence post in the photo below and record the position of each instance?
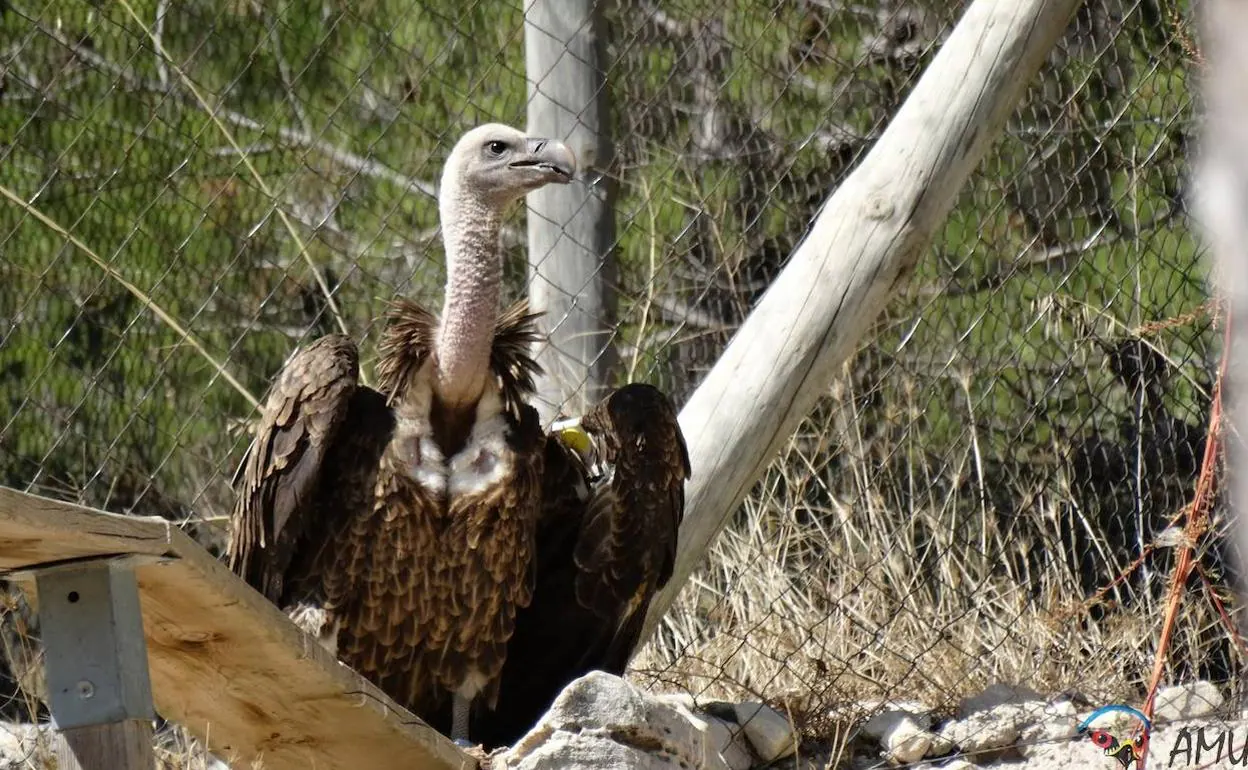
(99, 688)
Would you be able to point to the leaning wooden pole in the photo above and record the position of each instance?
(571, 227)
(860, 250)
(1221, 176)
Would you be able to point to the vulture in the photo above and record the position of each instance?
(398, 525)
(613, 498)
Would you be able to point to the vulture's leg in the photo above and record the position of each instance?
(460, 708)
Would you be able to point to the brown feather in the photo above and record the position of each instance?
(510, 359)
(456, 603)
(302, 415)
(410, 333)
(640, 438)
(604, 548)
(405, 346)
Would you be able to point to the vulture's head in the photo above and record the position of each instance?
(497, 164)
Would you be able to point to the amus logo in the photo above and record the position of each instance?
(1127, 745)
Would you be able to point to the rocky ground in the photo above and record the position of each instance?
(602, 721)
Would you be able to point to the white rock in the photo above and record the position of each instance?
(729, 741)
(1034, 728)
(941, 745)
(988, 730)
(903, 736)
(884, 722)
(601, 721)
(769, 732)
(721, 736)
(997, 695)
(1186, 701)
(1058, 722)
(907, 742)
(563, 750)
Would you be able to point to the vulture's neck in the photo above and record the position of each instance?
(470, 229)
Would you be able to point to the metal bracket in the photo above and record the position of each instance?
(96, 655)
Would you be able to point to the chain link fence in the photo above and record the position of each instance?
(196, 188)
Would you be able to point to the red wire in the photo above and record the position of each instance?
(1193, 529)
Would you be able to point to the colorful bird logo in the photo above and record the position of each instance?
(1126, 752)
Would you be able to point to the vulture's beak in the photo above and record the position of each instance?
(550, 158)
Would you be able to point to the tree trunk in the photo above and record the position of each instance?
(571, 227)
(860, 250)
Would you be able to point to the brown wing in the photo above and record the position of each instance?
(627, 545)
(604, 547)
(298, 426)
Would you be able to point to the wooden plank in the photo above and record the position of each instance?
(860, 251)
(571, 227)
(117, 746)
(224, 662)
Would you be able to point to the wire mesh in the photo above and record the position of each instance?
(196, 188)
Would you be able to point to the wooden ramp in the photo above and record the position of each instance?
(224, 662)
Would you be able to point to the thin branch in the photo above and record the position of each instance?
(138, 293)
(283, 69)
(251, 168)
(162, 70)
(344, 158)
(675, 310)
(1043, 258)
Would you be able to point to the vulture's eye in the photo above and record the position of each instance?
(496, 147)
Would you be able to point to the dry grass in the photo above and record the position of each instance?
(826, 596)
